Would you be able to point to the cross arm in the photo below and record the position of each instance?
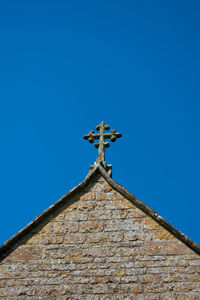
(113, 135)
(91, 136)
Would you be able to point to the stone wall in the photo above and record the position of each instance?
(100, 246)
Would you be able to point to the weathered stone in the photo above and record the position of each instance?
(67, 226)
(162, 234)
(33, 240)
(76, 237)
(100, 247)
(25, 253)
(46, 239)
(166, 248)
(91, 226)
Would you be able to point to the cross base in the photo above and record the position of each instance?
(108, 169)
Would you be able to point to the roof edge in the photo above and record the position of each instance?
(151, 213)
(48, 211)
(138, 203)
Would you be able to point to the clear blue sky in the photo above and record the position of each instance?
(67, 65)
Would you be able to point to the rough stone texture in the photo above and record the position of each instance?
(100, 246)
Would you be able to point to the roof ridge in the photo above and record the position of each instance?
(138, 203)
(153, 214)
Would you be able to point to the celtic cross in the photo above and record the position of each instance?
(102, 136)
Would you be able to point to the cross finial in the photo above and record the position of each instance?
(102, 136)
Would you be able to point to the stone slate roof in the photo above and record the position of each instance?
(9, 245)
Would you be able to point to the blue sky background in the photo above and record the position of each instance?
(67, 65)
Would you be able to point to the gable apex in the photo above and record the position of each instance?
(98, 170)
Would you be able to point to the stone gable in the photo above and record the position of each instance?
(99, 245)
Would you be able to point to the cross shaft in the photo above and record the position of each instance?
(102, 136)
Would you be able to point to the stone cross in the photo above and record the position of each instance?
(91, 136)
